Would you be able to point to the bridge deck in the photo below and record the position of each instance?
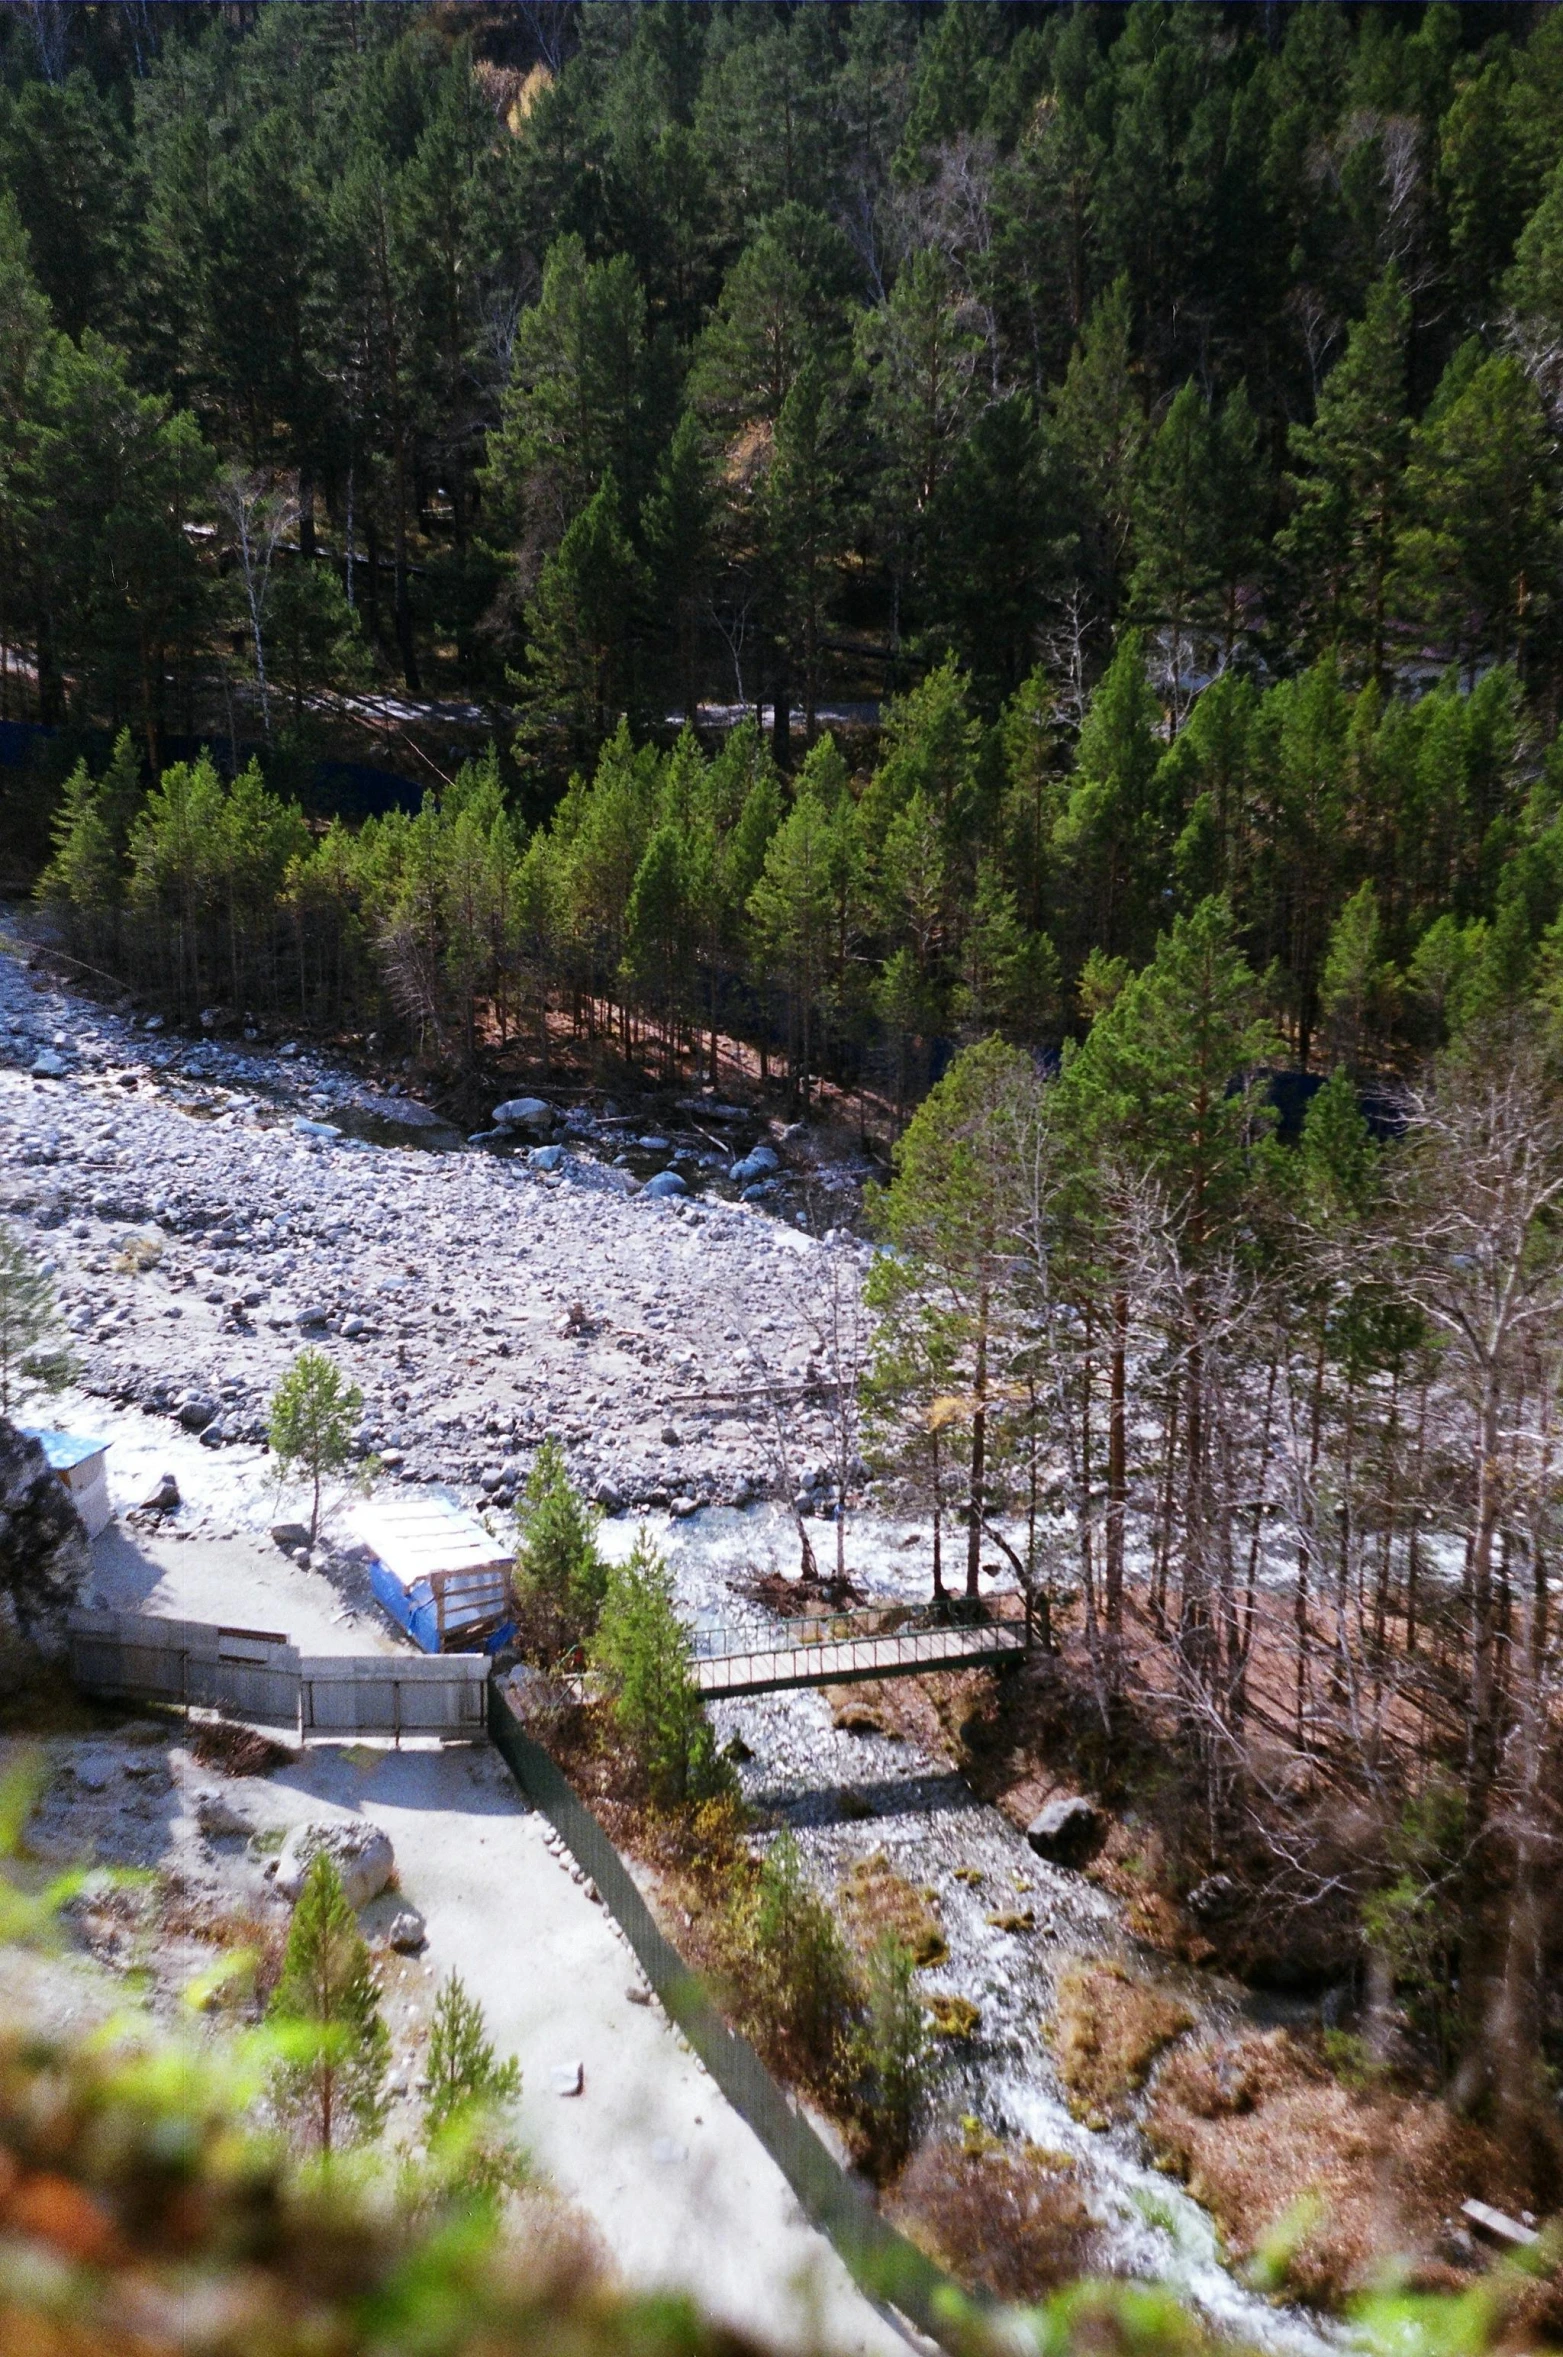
(905, 1654)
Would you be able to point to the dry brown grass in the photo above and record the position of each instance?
(235, 1750)
(1006, 2219)
(875, 1900)
(860, 1710)
(1262, 2134)
(248, 1935)
(954, 2017)
(1108, 2029)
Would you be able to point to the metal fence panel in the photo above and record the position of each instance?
(388, 1694)
(253, 1673)
(258, 1674)
(882, 2262)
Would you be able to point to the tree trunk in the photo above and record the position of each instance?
(1117, 1467)
(977, 1491)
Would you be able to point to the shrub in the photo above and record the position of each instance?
(1409, 1923)
(891, 2060)
(1108, 2029)
(878, 1900)
(560, 1578)
(1002, 2218)
(803, 1996)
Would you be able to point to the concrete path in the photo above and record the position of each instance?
(680, 2189)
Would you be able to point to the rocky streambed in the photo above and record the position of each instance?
(205, 1208)
(856, 1800)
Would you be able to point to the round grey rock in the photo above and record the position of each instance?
(361, 1854)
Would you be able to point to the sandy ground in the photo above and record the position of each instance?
(677, 2184)
(214, 1559)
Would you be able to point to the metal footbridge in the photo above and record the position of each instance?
(837, 1648)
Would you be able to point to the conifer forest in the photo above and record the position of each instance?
(993, 571)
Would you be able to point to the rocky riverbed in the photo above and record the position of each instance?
(206, 1208)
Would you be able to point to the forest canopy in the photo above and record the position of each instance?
(1110, 452)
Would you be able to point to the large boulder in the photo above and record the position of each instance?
(527, 1114)
(45, 1555)
(360, 1852)
(1068, 1831)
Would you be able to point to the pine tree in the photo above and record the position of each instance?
(560, 1577)
(314, 1416)
(461, 2067)
(657, 926)
(1009, 978)
(329, 2083)
(1349, 490)
(1107, 833)
(1479, 547)
(1099, 420)
(469, 2100)
(642, 1650)
(892, 2055)
(1357, 979)
(678, 522)
(950, 1216)
(805, 1972)
(806, 882)
(1197, 517)
(582, 626)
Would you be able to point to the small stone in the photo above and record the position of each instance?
(93, 1772)
(314, 1315)
(568, 2078)
(407, 1934)
(638, 1995)
(666, 1183)
(289, 1536)
(672, 1438)
(682, 1508)
(608, 1496)
(546, 1157)
(218, 1818)
(195, 1411)
(46, 1065)
(163, 1498)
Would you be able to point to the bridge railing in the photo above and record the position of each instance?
(762, 1634)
